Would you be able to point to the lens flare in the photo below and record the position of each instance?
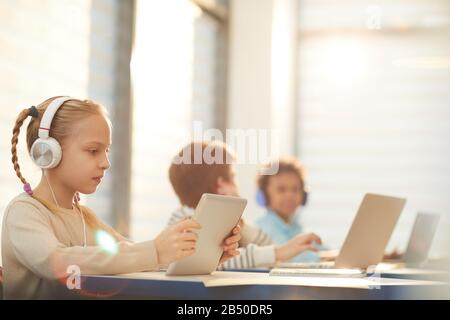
(106, 242)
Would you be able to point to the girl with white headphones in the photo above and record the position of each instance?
(46, 232)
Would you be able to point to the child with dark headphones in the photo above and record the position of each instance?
(47, 233)
(282, 190)
(190, 179)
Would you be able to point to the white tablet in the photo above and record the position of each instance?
(217, 215)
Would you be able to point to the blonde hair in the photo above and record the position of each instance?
(71, 112)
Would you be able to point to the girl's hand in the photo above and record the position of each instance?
(297, 245)
(231, 244)
(176, 241)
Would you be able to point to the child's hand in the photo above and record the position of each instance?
(231, 244)
(394, 255)
(328, 255)
(176, 241)
(297, 245)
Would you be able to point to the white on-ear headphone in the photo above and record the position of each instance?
(46, 151)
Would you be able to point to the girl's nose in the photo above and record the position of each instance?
(105, 165)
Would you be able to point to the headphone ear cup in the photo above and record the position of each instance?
(46, 153)
(261, 198)
(305, 198)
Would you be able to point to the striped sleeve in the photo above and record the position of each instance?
(262, 238)
(251, 234)
(177, 216)
(252, 256)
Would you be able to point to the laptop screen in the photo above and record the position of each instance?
(421, 237)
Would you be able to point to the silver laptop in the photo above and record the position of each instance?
(368, 236)
(421, 238)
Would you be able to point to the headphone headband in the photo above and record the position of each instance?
(44, 127)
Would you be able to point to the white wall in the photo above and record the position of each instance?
(261, 80)
(36, 62)
(373, 111)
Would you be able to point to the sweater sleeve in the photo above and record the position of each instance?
(252, 256)
(177, 216)
(36, 247)
(252, 234)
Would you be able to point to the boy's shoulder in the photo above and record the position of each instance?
(180, 214)
(264, 219)
(267, 223)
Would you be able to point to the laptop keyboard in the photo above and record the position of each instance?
(306, 265)
(318, 272)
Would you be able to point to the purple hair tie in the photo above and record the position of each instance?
(77, 197)
(27, 189)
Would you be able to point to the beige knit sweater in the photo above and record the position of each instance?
(39, 247)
